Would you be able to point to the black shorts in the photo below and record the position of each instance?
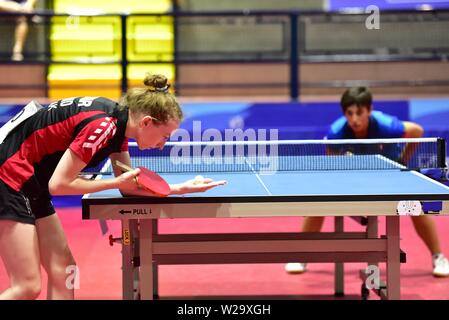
(16, 206)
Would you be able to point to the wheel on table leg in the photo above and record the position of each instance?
(137, 294)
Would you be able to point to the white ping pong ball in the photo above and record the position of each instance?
(199, 179)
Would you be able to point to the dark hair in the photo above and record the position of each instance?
(359, 96)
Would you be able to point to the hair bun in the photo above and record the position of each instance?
(156, 82)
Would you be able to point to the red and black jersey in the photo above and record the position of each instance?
(92, 127)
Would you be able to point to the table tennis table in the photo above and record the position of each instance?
(363, 192)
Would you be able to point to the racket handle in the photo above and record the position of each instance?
(123, 166)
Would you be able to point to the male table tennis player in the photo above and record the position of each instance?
(360, 121)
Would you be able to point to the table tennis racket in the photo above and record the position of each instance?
(148, 179)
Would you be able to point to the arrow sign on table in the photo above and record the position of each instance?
(124, 211)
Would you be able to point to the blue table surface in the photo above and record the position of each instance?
(313, 183)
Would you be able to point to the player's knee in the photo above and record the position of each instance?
(62, 267)
(28, 289)
(62, 270)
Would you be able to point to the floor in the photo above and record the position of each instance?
(100, 264)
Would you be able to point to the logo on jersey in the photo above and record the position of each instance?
(101, 135)
(82, 102)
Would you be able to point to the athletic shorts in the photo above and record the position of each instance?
(16, 206)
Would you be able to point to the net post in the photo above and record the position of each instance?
(441, 150)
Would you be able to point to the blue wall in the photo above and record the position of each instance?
(296, 120)
(293, 120)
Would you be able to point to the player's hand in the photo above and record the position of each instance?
(128, 180)
(199, 184)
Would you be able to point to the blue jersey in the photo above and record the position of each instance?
(380, 126)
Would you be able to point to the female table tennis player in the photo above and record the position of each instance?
(43, 156)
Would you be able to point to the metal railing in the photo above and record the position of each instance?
(297, 46)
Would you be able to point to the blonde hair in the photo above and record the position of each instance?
(154, 100)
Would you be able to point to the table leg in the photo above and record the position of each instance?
(134, 227)
(127, 261)
(155, 265)
(372, 232)
(146, 259)
(393, 258)
(339, 266)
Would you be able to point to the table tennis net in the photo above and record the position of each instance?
(289, 155)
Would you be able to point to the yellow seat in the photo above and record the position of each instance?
(101, 80)
(92, 38)
(98, 39)
(82, 80)
(150, 38)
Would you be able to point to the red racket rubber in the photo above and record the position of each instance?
(148, 179)
(153, 182)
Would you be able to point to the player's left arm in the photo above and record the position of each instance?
(411, 130)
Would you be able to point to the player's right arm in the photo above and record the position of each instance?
(91, 137)
(336, 132)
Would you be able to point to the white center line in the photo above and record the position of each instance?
(258, 177)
